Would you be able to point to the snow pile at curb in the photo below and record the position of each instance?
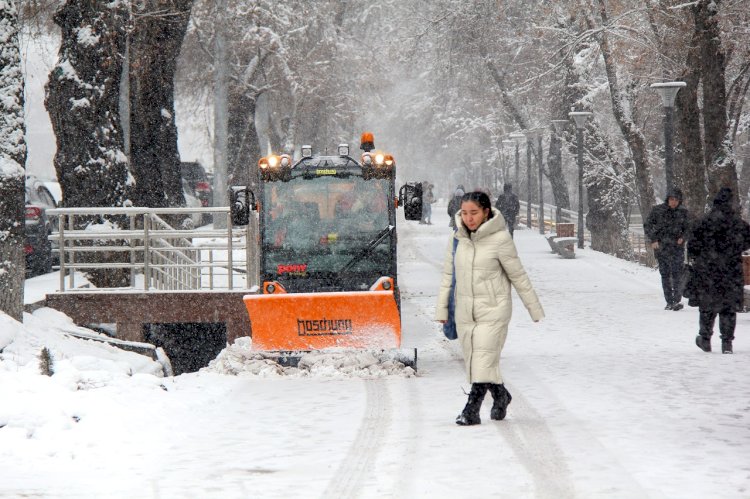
(83, 362)
(239, 360)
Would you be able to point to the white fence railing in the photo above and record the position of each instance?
(156, 249)
(641, 251)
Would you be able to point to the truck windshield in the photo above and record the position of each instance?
(325, 225)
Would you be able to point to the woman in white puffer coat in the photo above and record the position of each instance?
(486, 263)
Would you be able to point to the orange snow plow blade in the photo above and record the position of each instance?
(313, 321)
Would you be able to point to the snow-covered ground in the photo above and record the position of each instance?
(611, 398)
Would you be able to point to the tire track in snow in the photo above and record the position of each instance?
(404, 481)
(352, 473)
(534, 444)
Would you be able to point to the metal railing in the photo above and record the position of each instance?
(642, 253)
(152, 253)
(550, 217)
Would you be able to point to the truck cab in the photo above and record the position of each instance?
(328, 261)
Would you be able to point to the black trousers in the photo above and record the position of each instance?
(727, 322)
(671, 262)
(509, 224)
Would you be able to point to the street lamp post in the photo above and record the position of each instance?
(531, 135)
(541, 188)
(517, 138)
(580, 118)
(506, 143)
(559, 129)
(668, 91)
(529, 144)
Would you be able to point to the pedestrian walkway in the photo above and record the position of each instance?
(616, 382)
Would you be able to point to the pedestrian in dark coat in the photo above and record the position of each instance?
(715, 249)
(508, 204)
(454, 205)
(667, 227)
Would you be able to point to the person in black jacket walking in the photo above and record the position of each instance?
(454, 205)
(717, 283)
(508, 204)
(666, 227)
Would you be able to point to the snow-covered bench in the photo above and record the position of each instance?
(563, 246)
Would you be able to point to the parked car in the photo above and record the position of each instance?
(38, 247)
(200, 184)
(191, 201)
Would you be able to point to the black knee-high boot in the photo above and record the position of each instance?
(470, 414)
(502, 398)
(706, 323)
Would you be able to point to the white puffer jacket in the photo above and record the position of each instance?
(487, 264)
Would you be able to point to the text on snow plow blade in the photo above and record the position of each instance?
(313, 321)
(327, 231)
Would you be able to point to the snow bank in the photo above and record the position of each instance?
(75, 360)
(40, 406)
(239, 360)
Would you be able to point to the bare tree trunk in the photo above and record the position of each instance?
(82, 100)
(290, 123)
(554, 163)
(159, 28)
(720, 161)
(744, 181)
(559, 111)
(12, 161)
(632, 134)
(692, 171)
(604, 179)
(556, 177)
(244, 146)
(243, 142)
(12, 258)
(739, 94)
(605, 183)
(507, 99)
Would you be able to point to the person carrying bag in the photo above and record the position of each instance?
(449, 326)
(484, 265)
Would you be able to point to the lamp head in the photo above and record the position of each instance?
(668, 91)
(580, 117)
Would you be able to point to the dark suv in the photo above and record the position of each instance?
(38, 248)
(197, 178)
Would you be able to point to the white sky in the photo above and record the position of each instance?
(611, 398)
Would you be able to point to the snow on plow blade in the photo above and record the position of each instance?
(314, 321)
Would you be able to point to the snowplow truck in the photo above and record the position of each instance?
(328, 267)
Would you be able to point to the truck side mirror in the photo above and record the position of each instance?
(241, 201)
(402, 195)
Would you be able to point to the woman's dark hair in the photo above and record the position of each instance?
(480, 198)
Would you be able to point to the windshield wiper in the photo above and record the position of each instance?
(367, 249)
